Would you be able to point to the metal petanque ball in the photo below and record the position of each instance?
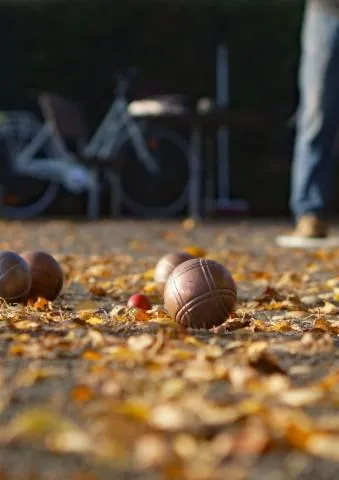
(200, 293)
(15, 278)
(47, 275)
(166, 265)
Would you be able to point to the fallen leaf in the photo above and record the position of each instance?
(142, 315)
(26, 325)
(260, 358)
(150, 288)
(98, 290)
(231, 325)
(35, 424)
(241, 376)
(323, 445)
(136, 408)
(141, 342)
(172, 388)
(169, 417)
(328, 308)
(268, 295)
(185, 446)
(82, 393)
(91, 355)
(289, 279)
(252, 440)
(189, 224)
(95, 321)
(301, 396)
(151, 451)
(196, 251)
(35, 373)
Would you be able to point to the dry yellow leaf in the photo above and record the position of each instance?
(169, 417)
(151, 451)
(323, 445)
(86, 313)
(17, 350)
(149, 274)
(239, 276)
(196, 251)
(136, 408)
(301, 396)
(29, 376)
(36, 423)
(141, 342)
(241, 376)
(150, 288)
(172, 388)
(26, 325)
(189, 224)
(71, 441)
(122, 354)
(91, 355)
(185, 446)
(329, 308)
(95, 321)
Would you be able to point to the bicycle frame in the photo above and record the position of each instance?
(115, 129)
(117, 126)
(59, 166)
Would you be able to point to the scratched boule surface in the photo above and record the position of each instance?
(91, 389)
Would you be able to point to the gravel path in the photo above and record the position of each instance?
(89, 393)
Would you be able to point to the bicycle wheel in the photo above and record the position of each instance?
(161, 193)
(22, 197)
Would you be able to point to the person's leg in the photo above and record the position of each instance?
(318, 114)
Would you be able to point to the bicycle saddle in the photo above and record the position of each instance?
(167, 104)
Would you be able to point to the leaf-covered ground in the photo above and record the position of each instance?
(91, 389)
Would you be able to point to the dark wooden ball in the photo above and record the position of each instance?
(15, 278)
(47, 275)
(200, 293)
(166, 265)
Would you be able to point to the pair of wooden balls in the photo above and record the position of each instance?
(29, 276)
(198, 292)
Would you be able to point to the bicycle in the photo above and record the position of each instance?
(21, 196)
(154, 175)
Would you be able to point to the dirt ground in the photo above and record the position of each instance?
(94, 390)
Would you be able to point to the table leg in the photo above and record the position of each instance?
(114, 180)
(93, 197)
(194, 200)
(1, 198)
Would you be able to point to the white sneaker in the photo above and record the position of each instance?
(311, 231)
(293, 241)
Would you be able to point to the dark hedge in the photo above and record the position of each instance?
(74, 47)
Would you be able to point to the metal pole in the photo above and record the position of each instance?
(222, 98)
(224, 201)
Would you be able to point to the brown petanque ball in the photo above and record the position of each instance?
(166, 265)
(200, 293)
(15, 278)
(47, 275)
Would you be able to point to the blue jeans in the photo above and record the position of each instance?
(318, 114)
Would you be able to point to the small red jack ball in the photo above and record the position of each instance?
(139, 301)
